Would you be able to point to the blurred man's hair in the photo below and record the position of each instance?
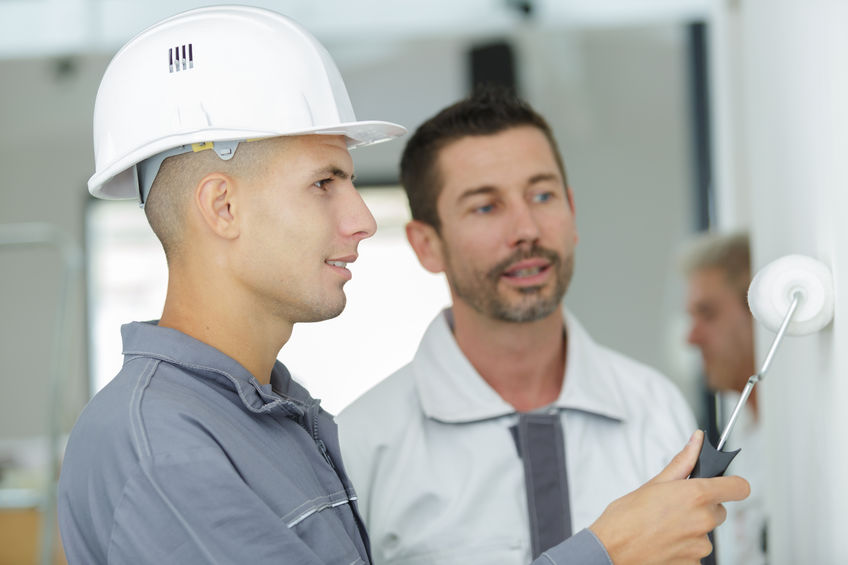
(730, 253)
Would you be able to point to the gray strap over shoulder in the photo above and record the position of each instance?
(541, 446)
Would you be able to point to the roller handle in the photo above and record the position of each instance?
(711, 462)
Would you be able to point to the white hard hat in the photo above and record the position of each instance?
(212, 75)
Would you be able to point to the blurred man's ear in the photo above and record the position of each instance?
(427, 244)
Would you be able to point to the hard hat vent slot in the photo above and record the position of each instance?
(177, 60)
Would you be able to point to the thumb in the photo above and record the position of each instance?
(681, 466)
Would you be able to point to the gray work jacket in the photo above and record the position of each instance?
(185, 458)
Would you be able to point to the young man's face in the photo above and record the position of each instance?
(722, 328)
(507, 233)
(302, 222)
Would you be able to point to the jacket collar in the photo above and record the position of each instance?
(452, 391)
(147, 339)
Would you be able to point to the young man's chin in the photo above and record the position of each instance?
(332, 312)
(325, 310)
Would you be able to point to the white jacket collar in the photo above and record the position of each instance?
(452, 391)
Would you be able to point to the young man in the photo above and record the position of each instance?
(232, 127)
(511, 429)
(718, 272)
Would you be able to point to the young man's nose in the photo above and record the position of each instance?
(358, 221)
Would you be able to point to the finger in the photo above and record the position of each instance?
(683, 463)
(719, 514)
(706, 547)
(725, 489)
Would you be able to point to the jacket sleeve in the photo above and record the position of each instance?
(196, 509)
(583, 548)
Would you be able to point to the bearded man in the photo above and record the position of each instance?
(511, 429)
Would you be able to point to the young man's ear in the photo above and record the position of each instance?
(427, 244)
(214, 198)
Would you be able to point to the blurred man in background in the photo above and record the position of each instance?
(718, 272)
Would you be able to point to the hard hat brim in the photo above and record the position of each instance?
(118, 181)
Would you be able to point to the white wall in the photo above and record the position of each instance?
(791, 93)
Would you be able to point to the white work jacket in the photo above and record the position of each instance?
(436, 469)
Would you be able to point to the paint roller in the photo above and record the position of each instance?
(792, 295)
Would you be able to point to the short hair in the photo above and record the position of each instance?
(170, 193)
(730, 253)
(487, 111)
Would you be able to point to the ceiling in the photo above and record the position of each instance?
(39, 28)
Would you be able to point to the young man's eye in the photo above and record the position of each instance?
(322, 184)
(543, 196)
(484, 209)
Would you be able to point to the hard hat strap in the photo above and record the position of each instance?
(149, 168)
